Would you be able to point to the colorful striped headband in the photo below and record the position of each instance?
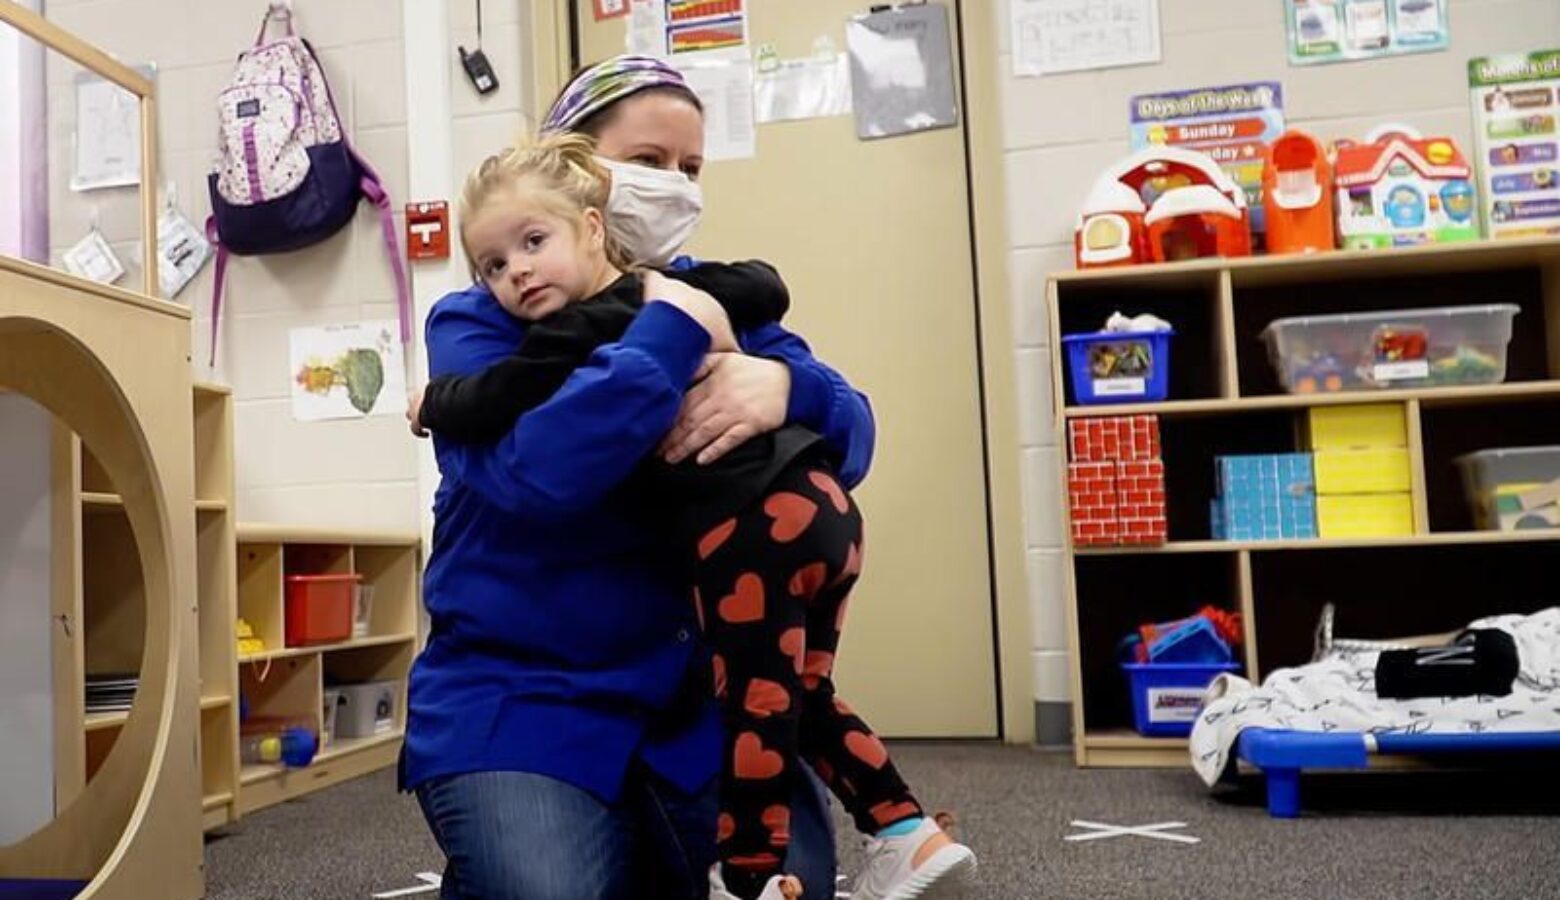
(604, 84)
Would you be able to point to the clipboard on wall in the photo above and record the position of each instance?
(901, 70)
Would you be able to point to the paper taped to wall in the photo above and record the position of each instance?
(1052, 36)
(725, 87)
(347, 371)
(901, 71)
(809, 88)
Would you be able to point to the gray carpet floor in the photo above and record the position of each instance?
(1492, 834)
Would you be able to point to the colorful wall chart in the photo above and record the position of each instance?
(1231, 124)
(1325, 31)
(1516, 104)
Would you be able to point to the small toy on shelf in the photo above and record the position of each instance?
(1297, 195)
(1399, 189)
(1513, 489)
(1169, 665)
(1402, 349)
(1127, 362)
(1162, 204)
(248, 641)
(1208, 636)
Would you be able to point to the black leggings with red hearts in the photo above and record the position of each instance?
(771, 586)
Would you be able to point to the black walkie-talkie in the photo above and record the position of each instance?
(476, 64)
(479, 70)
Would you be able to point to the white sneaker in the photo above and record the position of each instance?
(891, 872)
(780, 887)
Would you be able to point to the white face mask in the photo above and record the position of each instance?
(651, 212)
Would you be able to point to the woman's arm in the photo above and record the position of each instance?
(567, 453)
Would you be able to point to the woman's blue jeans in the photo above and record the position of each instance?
(519, 836)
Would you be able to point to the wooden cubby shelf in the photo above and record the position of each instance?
(1225, 399)
(240, 573)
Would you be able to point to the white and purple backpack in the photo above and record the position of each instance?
(287, 176)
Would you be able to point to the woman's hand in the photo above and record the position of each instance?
(735, 398)
(699, 306)
(414, 413)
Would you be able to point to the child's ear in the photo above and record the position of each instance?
(595, 227)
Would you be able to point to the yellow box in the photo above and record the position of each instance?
(1381, 470)
(1351, 427)
(1364, 515)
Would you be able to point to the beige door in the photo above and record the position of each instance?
(873, 238)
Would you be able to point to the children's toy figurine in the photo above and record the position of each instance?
(1162, 204)
(1398, 189)
(1297, 193)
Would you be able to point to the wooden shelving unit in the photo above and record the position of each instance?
(290, 682)
(239, 572)
(1226, 399)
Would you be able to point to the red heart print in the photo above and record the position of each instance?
(792, 514)
(698, 607)
(725, 827)
(746, 602)
(718, 664)
(815, 668)
(867, 748)
(751, 762)
(793, 643)
(778, 820)
(715, 537)
(808, 579)
(766, 698)
(832, 488)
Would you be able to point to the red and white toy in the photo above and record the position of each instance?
(1158, 205)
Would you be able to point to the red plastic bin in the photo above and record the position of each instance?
(319, 608)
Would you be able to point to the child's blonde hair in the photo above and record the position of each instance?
(563, 169)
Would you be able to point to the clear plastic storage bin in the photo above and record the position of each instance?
(1513, 489)
(1410, 348)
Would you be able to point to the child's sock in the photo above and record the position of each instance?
(901, 828)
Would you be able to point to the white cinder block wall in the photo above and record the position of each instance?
(347, 473)
(1059, 131)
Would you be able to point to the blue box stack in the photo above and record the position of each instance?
(1266, 497)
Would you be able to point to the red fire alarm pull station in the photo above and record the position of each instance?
(428, 230)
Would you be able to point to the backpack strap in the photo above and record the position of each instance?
(218, 277)
(377, 195)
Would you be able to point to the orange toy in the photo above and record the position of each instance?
(1158, 205)
(1297, 192)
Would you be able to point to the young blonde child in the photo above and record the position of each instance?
(771, 540)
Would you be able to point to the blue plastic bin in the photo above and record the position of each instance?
(1166, 697)
(1119, 366)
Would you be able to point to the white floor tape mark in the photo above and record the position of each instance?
(1098, 830)
(430, 883)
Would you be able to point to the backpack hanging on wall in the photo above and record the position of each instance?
(287, 176)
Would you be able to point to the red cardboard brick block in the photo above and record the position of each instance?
(1091, 494)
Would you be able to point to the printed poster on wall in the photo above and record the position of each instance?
(1231, 124)
(697, 26)
(347, 371)
(1516, 102)
(1326, 31)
